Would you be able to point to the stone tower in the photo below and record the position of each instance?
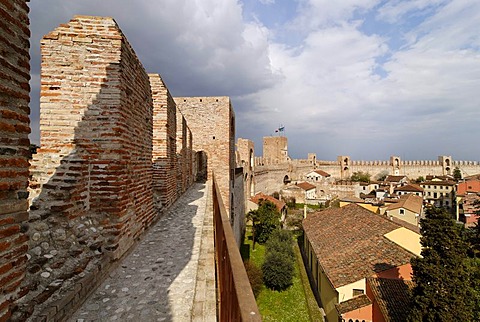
(275, 149)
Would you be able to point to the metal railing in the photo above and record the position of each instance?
(236, 301)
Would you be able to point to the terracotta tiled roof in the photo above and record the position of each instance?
(353, 304)
(352, 199)
(395, 178)
(410, 202)
(322, 173)
(392, 296)
(468, 186)
(410, 188)
(259, 196)
(350, 245)
(438, 183)
(305, 186)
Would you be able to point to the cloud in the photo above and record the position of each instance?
(365, 78)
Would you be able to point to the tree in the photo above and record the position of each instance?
(420, 179)
(382, 175)
(457, 174)
(360, 176)
(265, 220)
(279, 264)
(442, 289)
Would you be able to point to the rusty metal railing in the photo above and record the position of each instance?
(236, 301)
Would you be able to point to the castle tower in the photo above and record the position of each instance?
(275, 149)
(344, 162)
(395, 162)
(312, 159)
(446, 163)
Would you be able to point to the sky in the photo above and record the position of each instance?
(363, 78)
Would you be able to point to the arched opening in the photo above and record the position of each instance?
(286, 179)
(201, 165)
(345, 169)
(447, 162)
(252, 186)
(397, 162)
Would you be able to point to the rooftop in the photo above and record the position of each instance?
(392, 296)
(305, 186)
(261, 196)
(350, 243)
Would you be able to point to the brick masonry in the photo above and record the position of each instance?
(14, 150)
(164, 144)
(92, 179)
(212, 122)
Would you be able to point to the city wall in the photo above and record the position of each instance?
(109, 148)
(14, 151)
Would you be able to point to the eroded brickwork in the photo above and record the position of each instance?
(14, 150)
(92, 178)
(212, 122)
(164, 143)
(275, 149)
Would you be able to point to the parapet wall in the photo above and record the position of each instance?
(14, 151)
(164, 143)
(92, 182)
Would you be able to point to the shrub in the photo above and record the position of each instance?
(278, 270)
(280, 241)
(254, 276)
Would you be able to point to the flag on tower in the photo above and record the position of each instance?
(280, 129)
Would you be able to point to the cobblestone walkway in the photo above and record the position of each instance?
(156, 281)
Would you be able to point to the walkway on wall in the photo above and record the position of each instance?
(169, 275)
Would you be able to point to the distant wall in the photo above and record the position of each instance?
(14, 151)
(92, 182)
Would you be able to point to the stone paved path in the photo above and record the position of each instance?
(156, 281)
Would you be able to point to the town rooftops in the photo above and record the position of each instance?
(350, 243)
(305, 186)
(322, 173)
(353, 304)
(392, 297)
(260, 196)
(468, 186)
(410, 188)
(392, 178)
(410, 202)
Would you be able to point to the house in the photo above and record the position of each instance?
(302, 192)
(390, 298)
(344, 247)
(408, 208)
(409, 189)
(364, 188)
(440, 192)
(254, 202)
(467, 194)
(396, 180)
(317, 175)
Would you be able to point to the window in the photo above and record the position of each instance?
(357, 291)
(446, 203)
(434, 195)
(402, 211)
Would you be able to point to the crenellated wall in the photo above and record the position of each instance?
(164, 143)
(91, 187)
(14, 151)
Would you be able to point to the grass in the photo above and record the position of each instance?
(288, 305)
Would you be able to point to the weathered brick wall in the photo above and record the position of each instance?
(212, 122)
(237, 218)
(190, 158)
(14, 149)
(92, 177)
(181, 145)
(164, 143)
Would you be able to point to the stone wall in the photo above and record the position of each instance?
(237, 217)
(164, 143)
(14, 150)
(212, 122)
(245, 159)
(92, 184)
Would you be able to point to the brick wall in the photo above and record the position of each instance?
(181, 143)
(14, 149)
(164, 143)
(245, 159)
(92, 177)
(212, 122)
(275, 149)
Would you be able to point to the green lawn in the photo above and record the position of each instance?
(288, 305)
